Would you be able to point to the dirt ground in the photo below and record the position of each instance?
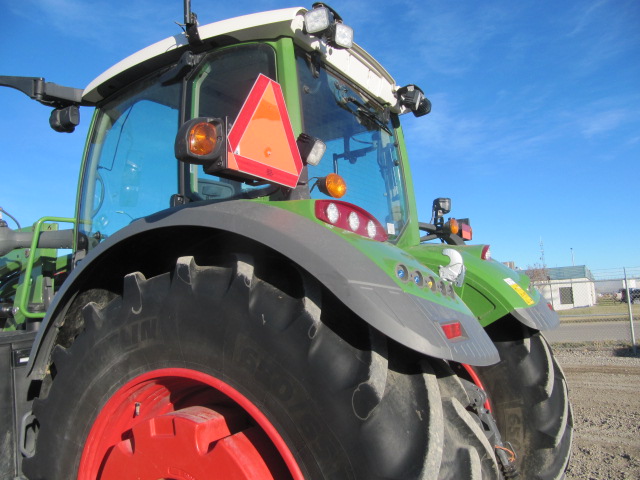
(604, 388)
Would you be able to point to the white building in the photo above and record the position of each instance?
(568, 287)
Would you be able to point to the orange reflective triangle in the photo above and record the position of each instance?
(262, 140)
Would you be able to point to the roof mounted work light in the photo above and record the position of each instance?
(324, 22)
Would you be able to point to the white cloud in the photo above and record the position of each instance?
(586, 16)
(449, 36)
(103, 23)
(603, 122)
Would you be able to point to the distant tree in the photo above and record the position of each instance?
(537, 273)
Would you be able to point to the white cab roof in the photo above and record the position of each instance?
(354, 63)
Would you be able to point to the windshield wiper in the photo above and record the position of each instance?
(365, 114)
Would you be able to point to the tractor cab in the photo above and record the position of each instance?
(247, 291)
(299, 116)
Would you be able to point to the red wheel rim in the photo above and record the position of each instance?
(180, 424)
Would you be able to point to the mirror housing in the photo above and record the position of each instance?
(441, 206)
(65, 119)
(412, 97)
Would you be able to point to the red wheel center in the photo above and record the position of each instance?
(183, 425)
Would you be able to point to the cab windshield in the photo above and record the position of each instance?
(361, 146)
(218, 88)
(131, 170)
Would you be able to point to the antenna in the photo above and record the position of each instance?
(191, 25)
(188, 16)
(544, 264)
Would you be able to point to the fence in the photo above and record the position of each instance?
(594, 306)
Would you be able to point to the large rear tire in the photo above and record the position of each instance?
(248, 354)
(528, 395)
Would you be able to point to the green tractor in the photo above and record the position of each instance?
(245, 291)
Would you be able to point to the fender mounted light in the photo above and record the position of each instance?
(332, 185)
(453, 226)
(466, 232)
(351, 218)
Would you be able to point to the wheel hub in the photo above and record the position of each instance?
(178, 424)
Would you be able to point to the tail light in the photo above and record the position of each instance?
(459, 227)
(465, 231)
(351, 218)
(454, 226)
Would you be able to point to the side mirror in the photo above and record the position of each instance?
(65, 120)
(441, 206)
(412, 97)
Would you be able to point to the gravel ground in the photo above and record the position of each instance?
(604, 388)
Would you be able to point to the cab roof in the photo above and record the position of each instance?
(354, 63)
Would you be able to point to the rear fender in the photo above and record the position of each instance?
(412, 320)
(492, 290)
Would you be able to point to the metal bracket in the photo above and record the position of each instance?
(47, 93)
(504, 450)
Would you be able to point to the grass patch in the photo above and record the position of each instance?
(602, 309)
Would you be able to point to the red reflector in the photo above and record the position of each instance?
(466, 232)
(452, 330)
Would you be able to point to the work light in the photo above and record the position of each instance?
(324, 22)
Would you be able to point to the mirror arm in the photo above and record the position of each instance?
(47, 93)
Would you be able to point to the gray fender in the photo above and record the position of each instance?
(349, 274)
(538, 317)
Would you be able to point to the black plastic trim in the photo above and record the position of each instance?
(349, 274)
(539, 317)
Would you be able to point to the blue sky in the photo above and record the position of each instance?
(534, 133)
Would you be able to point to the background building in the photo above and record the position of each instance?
(566, 287)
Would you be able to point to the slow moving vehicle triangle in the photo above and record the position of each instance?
(261, 141)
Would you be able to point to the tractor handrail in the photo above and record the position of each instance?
(22, 301)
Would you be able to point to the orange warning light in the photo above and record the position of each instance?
(333, 185)
(203, 138)
(200, 141)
